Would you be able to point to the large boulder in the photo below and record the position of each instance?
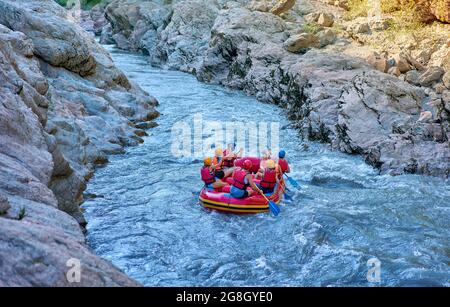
(431, 75)
(49, 39)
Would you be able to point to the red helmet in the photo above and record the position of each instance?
(247, 164)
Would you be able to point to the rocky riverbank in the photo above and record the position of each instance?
(64, 108)
(395, 113)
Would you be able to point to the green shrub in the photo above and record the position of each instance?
(311, 28)
(356, 8)
(22, 213)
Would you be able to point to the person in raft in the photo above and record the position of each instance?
(283, 165)
(242, 179)
(229, 156)
(209, 177)
(265, 155)
(269, 177)
(217, 163)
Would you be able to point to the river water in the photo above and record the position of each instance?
(146, 218)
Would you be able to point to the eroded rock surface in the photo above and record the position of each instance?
(331, 97)
(64, 107)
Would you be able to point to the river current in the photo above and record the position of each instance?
(147, 221)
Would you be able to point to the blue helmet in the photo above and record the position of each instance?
(281, 154)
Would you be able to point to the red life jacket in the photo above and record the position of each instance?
(269, 179)
(228, 162)
(207, 176)
(283, 164)
(239, 179)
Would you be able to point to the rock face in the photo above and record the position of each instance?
(355, 107)
(64, 107)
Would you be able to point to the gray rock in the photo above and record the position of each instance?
(29, 17)
(431, 75)
(62, 111)
(359, 28)
(326, 37)
(413, 77)
(331, 98)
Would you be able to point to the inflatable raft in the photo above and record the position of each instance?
(222, 200)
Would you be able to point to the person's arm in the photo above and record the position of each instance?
(252, 184)
(288, 170)
(240, 153)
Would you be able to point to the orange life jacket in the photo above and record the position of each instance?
(216, 161)
(269, 179)
(207, 176)
(239, 179)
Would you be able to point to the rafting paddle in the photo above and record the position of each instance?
(274, 209)
(292, 181)
(286, 195)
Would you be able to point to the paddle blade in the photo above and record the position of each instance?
(293, 182)
(287, 196)
(274, 209)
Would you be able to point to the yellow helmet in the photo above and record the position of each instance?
(219, 152)
(270, 164)
(207, 161)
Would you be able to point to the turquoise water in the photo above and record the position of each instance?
(147, 220)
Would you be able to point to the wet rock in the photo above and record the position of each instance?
(300, 42)
(106, 36)
(146, 125)
(325, 19)
(431, 75)
(282, 7)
